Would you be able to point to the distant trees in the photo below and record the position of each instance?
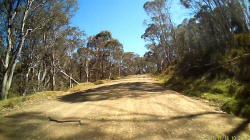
(103, 57)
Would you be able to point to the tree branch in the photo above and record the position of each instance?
(4, 64)
(39, 5)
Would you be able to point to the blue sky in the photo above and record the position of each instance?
(124, 18)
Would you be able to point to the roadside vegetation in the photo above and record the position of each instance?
(207, 55)
(228, 93)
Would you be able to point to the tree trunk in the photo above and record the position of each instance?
(80, 73)
(87, 71)
(26, 81)
(10, 66)
(41, 77)
(102, 69)
(7, 80)
(4, 91)
(38, 79)
(70, 80)
(53, 72)
(53, 79)
(110, 71)
(162, 61)
(119, 71)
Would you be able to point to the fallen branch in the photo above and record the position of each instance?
(68, 75)
(63, 121)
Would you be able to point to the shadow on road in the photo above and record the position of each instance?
(30, 125)
(241, 127)
(22, 125)
(116, 91)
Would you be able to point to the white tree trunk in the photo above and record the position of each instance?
(10, 62)
(110, 71)
(87, 71)
(119, 71)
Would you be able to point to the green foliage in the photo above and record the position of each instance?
(242, 41)
(238, 107)
(242, 92)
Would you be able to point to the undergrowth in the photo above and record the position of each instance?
(231, 95)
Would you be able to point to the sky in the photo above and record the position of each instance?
(123, 18)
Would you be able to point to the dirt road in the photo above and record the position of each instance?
(136, 107)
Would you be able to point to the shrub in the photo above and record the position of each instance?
(243, 92)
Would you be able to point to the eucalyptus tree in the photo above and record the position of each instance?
(119, 58)
(21, 20)
(220, 18)
(102, 39)
(34, 64)
(72, 41)
(15, 14)
(98, 45)
(114, 50)
(85, 54)
(159, 28)
(128, 63)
